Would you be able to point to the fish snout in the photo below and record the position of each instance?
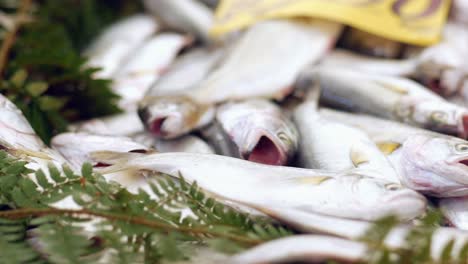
(264, 150)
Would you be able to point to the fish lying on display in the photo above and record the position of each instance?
(187, 143)
(117, 42)
(259, 130)
(124, 124)
(251, 68)
(428, 162)
(257, 185)
(390, 97)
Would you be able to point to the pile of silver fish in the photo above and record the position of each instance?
(279, 120)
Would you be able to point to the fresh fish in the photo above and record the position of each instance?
(173, 116)
(455, 211)
(304, 248)
(333, 146)
(188, 143)
(370, 44)
(187, 16)
(259, 129)
(187, 71)
(257, 185)
(124, 124)
(76, 147)
(390, 97)
(119, 40)
(354, 230)
(251, 67)
(443, 67)
(428, 162)
(393, 67)
(143, 68)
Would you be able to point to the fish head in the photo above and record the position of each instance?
(172, 116)
(259, 130)
(77, 147)
(442, 116)
(436, 164)
(387, 198)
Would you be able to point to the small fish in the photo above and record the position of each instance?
(428, 162)
(120, 39)
(145, 66)
(371, 44)
(187, 71)
(187, 143)
(455, 211)
(257, 185)
(390, 97)
(172, 116)
(187, 16)
(76, 147)
(250, 69)
(346, 229)
(333, 146)
(304, 248)
(259, 129)
(124, 124)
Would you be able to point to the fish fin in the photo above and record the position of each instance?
(388, 147)
(398, 89)
(118, 161)
(316, 180)
(358, 157)
(30, 153)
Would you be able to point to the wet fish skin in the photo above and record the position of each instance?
(111, 125)
(188, 16)
(306, 248)
(258, 185)
(428, 162)
(390, 97)
(257, 54)
(455, 211)
(187, 71)
(145, 66)
(172, 116)
(117, 41)
(76, 147)
(334, 146)
(187, 143)
(261, 132)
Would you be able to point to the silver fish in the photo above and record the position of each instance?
(305, 248)
(354, 230)
(120, 39)
(247, 70)
(172, 116)
(392, 98)
(187, 143)
(143, 68)
(124, 124)
(261, 132)
(187, 71)
(333, 146)
(258, 185)
(76, 147)
(428, 162)
(187, 16)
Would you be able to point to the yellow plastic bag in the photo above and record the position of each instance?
(411, 21)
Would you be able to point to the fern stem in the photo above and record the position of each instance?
(11, 35)
(29, 212)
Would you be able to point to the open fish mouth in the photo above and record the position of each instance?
(156, 126)
(267, 152)
(463, 133)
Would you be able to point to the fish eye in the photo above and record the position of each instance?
(439, 117)
(283, 137)
(461, 147)
(392, 186)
